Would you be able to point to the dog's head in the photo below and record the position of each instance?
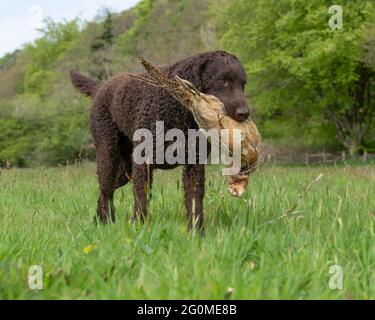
(223, 76)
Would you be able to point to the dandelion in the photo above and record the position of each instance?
(89, 248)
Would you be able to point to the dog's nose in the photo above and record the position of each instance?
(242, 114)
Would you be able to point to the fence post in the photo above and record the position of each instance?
(365, 156)
(343, 156)
(324, 156)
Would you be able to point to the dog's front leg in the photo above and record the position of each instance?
(193, 178)
(142, 180)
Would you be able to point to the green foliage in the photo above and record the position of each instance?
(127, 40)
(181, 5)
(34, 84)
(20, 127)
(16, 141)
(32, 132)
(56, 39)
(8, 60)
(298, 67)
(105, 39)
(101, 48)
(164, 31)
(63, 141)
(35, 126)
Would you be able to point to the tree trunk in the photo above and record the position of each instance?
(354, 123)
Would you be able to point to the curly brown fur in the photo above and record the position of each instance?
(85, 85)
(122, 105)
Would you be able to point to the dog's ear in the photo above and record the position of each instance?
(199, 70)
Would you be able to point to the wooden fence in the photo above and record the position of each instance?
(317, 157)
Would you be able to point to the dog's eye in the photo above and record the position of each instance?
(225, 83)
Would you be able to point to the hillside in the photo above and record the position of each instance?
(43, 120)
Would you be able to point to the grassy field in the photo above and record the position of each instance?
(278, 242)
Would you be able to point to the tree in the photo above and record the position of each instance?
(100, 48)
(369, 62)
(9, 59)
(301, 69)
(45, 52)
(127, 41)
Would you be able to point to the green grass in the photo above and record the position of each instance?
(272, 244)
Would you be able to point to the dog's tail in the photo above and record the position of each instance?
(87, 86)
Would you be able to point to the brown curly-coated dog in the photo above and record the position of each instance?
(122, 105)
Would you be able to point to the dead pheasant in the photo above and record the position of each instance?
(209, 113)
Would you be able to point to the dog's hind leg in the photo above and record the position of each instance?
(114, 168)
(107, 166)
(142, 181)
(106, 137)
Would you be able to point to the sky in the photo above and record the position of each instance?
(20, 18)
